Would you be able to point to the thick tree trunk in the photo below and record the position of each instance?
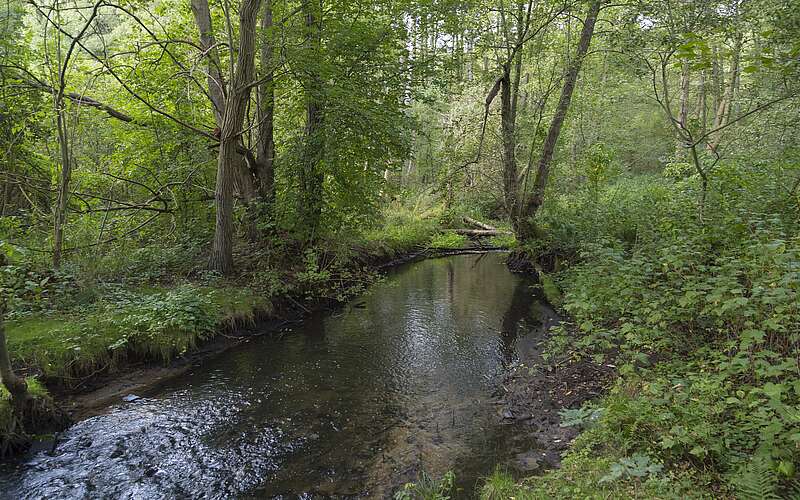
(235, 107)
(311, 176)
(217, 92)
(525, 229)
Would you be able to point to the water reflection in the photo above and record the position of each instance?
(352, 404)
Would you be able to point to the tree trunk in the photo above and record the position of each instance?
(16, 386)
(217, 90)
(723, 111)
(526, 229)
(235, 107)
(507, 133)
(311, 176)
(208, 43)
(683, 113)
(60, 212)
(266, 112)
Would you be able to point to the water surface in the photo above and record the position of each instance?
(351, 403)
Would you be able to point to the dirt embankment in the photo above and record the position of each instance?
(535, 391)
(534, 395)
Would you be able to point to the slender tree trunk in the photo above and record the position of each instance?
(311, 176)
(266, 112)
(60, 212)
(508, 133)
(526, 228)
(723, 111)
(216, 82)
(6, 194)
(235, 107)
(683, 113)
(702, 113)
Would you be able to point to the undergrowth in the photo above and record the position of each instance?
(157, 324)
(700, 315)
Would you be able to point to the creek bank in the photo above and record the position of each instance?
(397, 382)
(535, 391)
(104, 389)
(97, 390)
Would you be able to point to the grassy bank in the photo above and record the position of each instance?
(700, 318)
(154, 323)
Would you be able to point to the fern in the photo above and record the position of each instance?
(793, 490)
(756, 481)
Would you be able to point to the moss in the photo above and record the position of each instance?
(13, 435)
(550, 289)
(508, 241)
(580, 477)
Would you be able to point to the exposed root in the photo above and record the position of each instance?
(21, 419)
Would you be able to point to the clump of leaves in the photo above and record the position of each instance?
(580, 417)
(636, 466)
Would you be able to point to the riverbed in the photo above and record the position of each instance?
(402, 381)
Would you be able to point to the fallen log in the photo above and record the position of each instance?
(480, 232)
(478, 224)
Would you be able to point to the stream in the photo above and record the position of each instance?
(350, 403)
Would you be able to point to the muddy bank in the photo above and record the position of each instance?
(534, 393)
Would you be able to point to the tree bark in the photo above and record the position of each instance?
(233, 119)
(16, 386)
(683, 113)
(525, 229)
(723, 111)
(60, 212)
(217, 93)
(208, 43)
(480, 232)
(266, 111)
(478, 224)
(311, 176)
(507, 133)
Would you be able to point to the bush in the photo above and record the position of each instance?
(701, 317)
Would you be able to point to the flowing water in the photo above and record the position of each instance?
(351, 403)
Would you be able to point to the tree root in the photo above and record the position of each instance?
(32, 415)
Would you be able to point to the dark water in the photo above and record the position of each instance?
(353, 403)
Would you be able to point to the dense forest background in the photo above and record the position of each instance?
(166, 166)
